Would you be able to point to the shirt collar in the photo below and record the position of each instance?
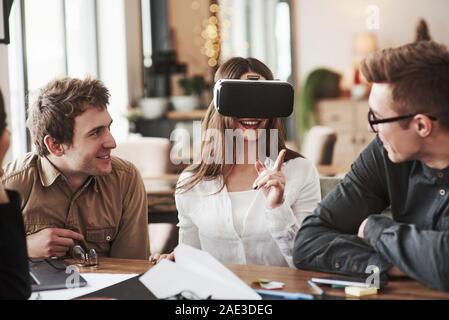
(436, 174)
(47, 172)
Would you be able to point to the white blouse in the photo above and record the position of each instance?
(240, 204)
(206, 218)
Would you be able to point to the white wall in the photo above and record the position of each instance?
(327, 28)
(4, 78)
(120, 55)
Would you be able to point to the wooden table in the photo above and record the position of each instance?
(161, 199)
(165, 185)
(295, 280)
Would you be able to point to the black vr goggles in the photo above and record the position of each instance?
(253, 98)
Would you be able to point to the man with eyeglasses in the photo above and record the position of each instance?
(405, 168)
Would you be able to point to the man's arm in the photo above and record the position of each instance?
(47, 242)
(132, 239)
(327, 240)
(421, 254)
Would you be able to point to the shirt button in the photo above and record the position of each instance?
(442, 192)
(337, 265)
(108, 238)
(440, 175)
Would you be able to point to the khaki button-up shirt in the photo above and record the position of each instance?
(111, 211)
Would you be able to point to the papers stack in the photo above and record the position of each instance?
(198, 272)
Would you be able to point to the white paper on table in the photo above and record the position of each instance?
(95, 281)
(196, 271)
(272, 285)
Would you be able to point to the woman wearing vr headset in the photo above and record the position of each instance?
(247, 211)
(14, 276)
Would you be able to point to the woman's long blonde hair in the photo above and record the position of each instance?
(234, 68)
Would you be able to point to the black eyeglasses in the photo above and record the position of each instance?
(85, 258)
(373, 121)
(82, 257)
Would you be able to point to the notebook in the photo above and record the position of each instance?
(131, 289)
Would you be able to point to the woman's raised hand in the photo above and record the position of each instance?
(271, 182)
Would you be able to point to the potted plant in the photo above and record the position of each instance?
(133, 115)
(192, 87)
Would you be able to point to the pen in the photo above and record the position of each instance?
(315, 287)
(285, 295)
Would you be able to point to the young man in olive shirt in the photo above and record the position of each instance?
(405, 167)
(72, 190)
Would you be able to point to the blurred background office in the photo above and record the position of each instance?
(158, 58)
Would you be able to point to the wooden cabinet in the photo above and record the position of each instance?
(349, 120)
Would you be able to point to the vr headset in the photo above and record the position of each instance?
(253, 98)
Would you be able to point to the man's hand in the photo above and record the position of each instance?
(51, 242)
(362, 228)
(395, 272)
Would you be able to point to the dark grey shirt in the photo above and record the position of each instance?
(416, 240)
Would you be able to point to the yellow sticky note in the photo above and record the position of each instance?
(261, 280)
(360, 292)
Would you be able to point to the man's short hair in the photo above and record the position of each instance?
(419, 76)
(58, 104)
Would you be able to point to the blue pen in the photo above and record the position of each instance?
(285, 295)
(316, 288)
